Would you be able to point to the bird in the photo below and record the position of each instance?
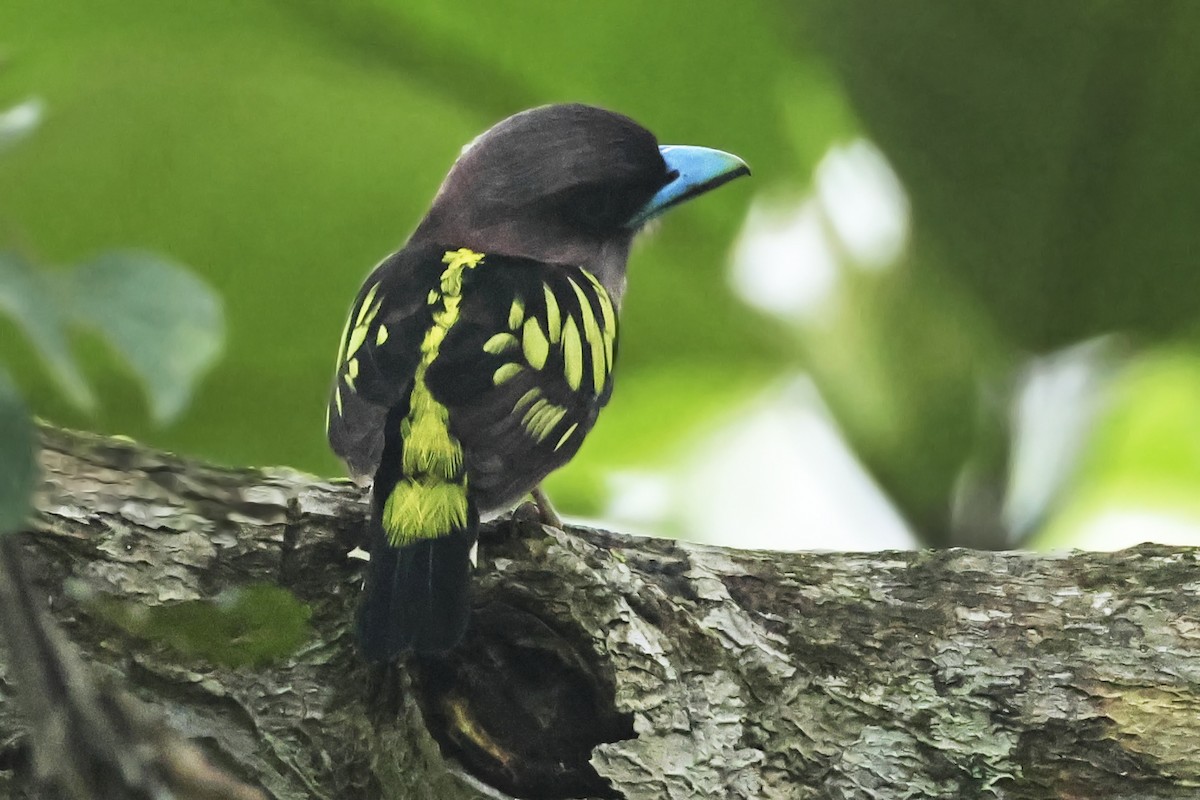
(476, 358)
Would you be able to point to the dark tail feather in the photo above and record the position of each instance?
(417, 596)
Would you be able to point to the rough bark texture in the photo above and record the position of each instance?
(602, 665)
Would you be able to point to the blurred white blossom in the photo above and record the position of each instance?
(19, 121)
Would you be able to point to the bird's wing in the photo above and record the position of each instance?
(378, 356)
(525, 368)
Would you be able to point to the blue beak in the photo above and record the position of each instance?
(694, 171)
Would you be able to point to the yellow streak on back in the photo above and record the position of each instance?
(432, 500)
(423, 508)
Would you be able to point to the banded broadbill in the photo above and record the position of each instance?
(475, 359)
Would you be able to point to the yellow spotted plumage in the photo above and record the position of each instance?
(557, 328)
(594, 337)
(506, 373)
(431, 501)
(577, 333)
(553, 342)
(566, 435)
(572, 354)
(534, 343)
(609, 316)
(553, 315)
(499, 343)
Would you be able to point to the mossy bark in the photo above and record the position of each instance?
(603, 665)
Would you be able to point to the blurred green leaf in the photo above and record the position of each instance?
(1143, 459)
(165, 322)
(904, 365)
(1052, 158)
(29, 299)
(241, 627)
(18, 466)
(1152, 426)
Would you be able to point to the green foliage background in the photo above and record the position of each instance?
(281, 147)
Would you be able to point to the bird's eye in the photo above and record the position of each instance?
(600, 208)
(595, 208)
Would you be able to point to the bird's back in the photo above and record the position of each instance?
(523, 364)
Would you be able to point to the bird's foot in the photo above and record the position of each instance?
(546, 512)
(527, 519)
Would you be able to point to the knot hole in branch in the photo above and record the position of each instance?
(521, 706)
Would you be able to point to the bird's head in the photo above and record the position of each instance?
(568, 184)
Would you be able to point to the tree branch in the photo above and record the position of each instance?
(602, 665)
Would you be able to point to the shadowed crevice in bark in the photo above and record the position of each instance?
(521, 706)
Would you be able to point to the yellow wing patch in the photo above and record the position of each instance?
(516, 314)
(606, 306)
(506, 373)
(499, 343)
(362, 323)
(527, 399)
(567, 435)
(590, 330)
(608, 334)
(553, 315)
(572, 354)
(354, 335)
(534, 344)
(541, 418)
(594, 336)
